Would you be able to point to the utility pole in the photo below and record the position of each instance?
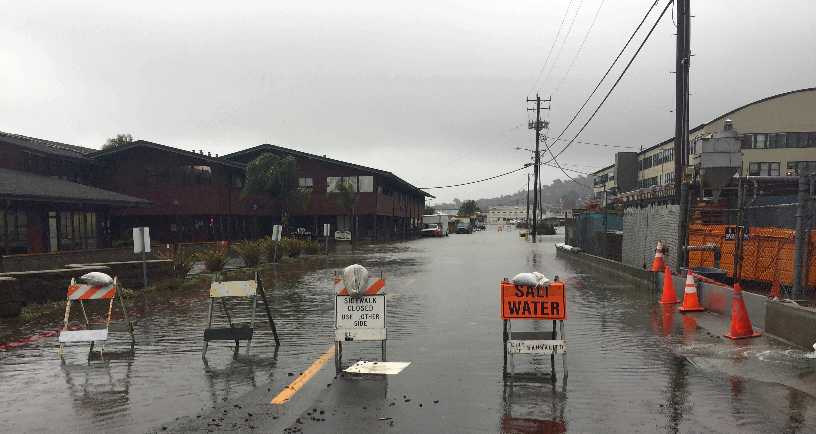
(681, 124)
(681, 109)
(538, 126)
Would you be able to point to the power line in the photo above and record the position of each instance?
(614, 85)
(564, 41)
(547, 59)
(580, 48)
(509, 172)
(614, 62)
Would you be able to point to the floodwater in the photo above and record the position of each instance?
(631, 366)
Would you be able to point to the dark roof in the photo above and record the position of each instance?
(16, 185)
(146, 144)
(301, 154)
(46, 146)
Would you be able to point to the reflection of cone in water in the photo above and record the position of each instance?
(668, 319)
(740, 323)
(689, 326)
(669, 296)
(691, 303)
(657, 263)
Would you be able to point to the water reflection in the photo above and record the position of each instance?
(534, 403)
(98, 388)
(239, 371)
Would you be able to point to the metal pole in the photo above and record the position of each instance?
(144, 267)
(801, 235)
(738, 232)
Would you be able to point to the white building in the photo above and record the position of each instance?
(503, 214)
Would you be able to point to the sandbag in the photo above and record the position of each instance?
(355, 279)
(97, 279)
(530, 279)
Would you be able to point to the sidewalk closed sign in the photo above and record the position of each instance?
(530, 302)
(360, 318)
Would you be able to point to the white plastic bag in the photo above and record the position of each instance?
(355, 279)
(97, 279)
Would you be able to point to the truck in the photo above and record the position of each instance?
(436, 223)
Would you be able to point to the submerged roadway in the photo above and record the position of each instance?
(630, 366)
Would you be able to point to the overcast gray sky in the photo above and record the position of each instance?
(432, 91)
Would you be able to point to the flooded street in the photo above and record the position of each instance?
(631, 366)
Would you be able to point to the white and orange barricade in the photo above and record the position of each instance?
(359, 316)
(236, 332)
(82, 293)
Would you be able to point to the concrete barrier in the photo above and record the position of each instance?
(791, 323)
(11, 303)
(630, 274)
(716, 298)
(56, 260)
(43, 286)
(130, 272)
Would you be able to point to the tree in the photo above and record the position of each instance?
(468, 208)
(119, 140)
(429, 210)
(275, 177)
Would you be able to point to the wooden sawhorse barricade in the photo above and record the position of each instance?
(81, 292)
(359, 317)
(236, 332)
(540, 303)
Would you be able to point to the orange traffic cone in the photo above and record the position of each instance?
(740, 323)
(657, 263)
(691, 303)
(669, 296)
(776, 290)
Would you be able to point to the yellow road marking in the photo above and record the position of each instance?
(289, 391)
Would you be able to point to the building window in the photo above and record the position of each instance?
(763, 169)
(13, 231)
(747, 141)
(759, 141)
(201, 175)
(306, 183)
(792, 168)
(333, 181)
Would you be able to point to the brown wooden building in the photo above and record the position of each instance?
(47, 198)
(386, 205)
(55, 196)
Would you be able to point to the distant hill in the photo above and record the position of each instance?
(566, 194)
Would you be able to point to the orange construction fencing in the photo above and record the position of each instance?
(768, 252)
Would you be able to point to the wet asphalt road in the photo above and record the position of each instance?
(631, 366)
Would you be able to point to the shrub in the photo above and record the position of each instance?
(269, 249)
(182, 260)
(293, 247)
(311, 247)
(250, 252)
(214, 259)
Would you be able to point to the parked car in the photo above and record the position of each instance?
(440, 220)
(463, 228)
(432, 230)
